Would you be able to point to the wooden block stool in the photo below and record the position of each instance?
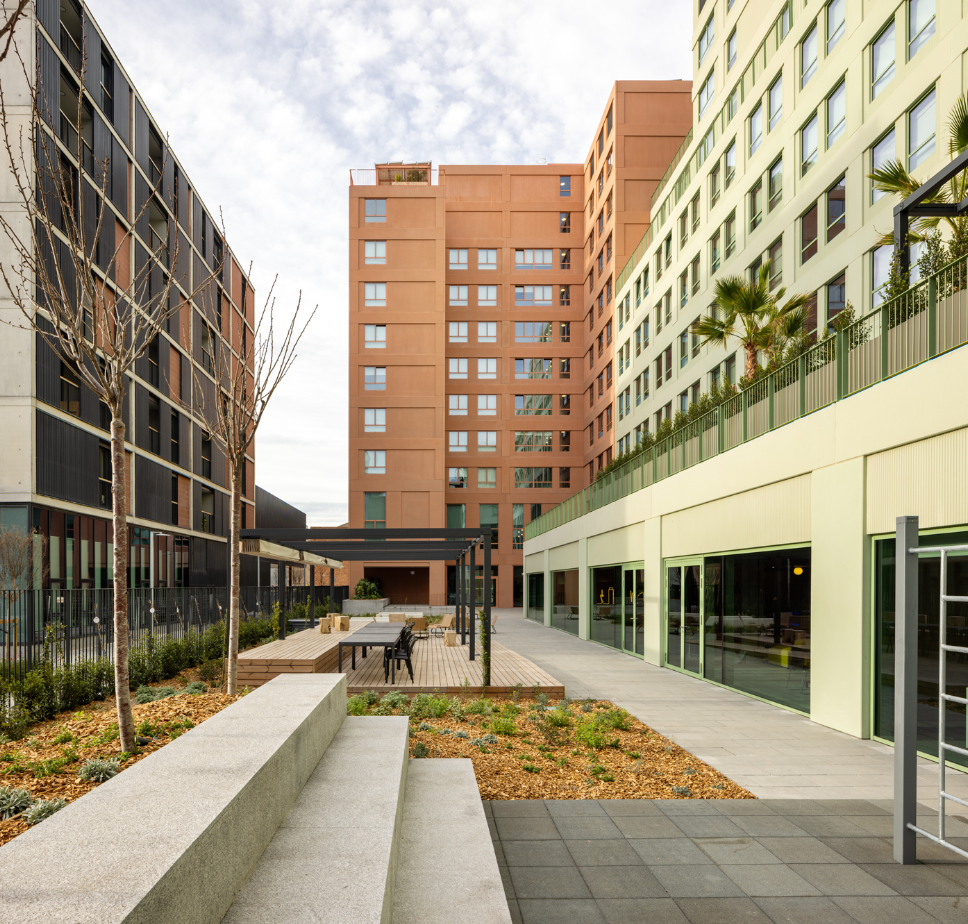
(450, 639)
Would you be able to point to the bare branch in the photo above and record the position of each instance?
(8, 27)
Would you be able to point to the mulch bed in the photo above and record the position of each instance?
(533, 759)
(48, 768)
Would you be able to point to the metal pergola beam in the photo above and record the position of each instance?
(338, 535)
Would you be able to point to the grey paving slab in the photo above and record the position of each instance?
(862, 849)
(526, 829)
(947, 910)
(586, 827)
(696, 881)
(620, 808)
(536, 853)
(835, 879)
(803, 910)
(722, 911)
(551, 882)
(622, 882)
(768, 826)
(801, 850)
(641, 911)
(771, 879)
(913, 880)
(708, 826)
(669, 851)
(894, 910)
(730, 851)
(615, 852)
(647, 826)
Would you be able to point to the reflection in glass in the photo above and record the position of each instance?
(606, 607)
(639, 612)
(691, 617)
(564, 602)
(536, 597)
(674, 611)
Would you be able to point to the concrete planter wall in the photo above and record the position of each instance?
(360, 607)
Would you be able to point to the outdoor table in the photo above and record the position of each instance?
(374, 635)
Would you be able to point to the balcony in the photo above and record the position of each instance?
(415, 174)
(70, 49)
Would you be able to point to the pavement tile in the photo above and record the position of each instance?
(647, 826)
(708, 826)
(830, 826)
(772, 879)
(878, 825)
(955, 871)
(768, 826)
(519, 808)
(733, 851)
(515, 912)
(696, 881)
(507, 882)
(527, 829)
(562, 807)
(668, 851)
(583, 827)
(622, 882)
(722, 911)
(641, 911)
(947, 910)
(733, 807)
(616, 852)
(616, 808)
(499, 853)
(852, 807)
(547, 882)
(803, 910)
(891, 910)
(557, 911)
(789, 807)
(835, 879)
(677, 807)
(537, 853)
(862, 849)
(913, 880)
(801, 850)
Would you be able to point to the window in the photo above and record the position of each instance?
(374, 420)
(533, 441)
(374, 252)
(374, 462)
(836, 10)
(487, 296)
(564, 186)
(564, 332)
(756, 128)
(152, 355)
(374, 210)
(487, 368)
(564, 404)
(882, 60)
(706, 39)
(564, 259)
(695, 275)
(808, 57)
(487, 331)
(70, 390)
(487, 441)
(608, 332)
(776, 263)
(374, 378)
(457, 368)
(206, 456)
(731, 51)
(714, 186)
(881, 153)
(836, 209)
(756, 205)
(374, 510)
(457, 405)
(533, 404)
(836, 113)
(525, 296)
(608, 417)
(488, 517)
(729, 231)
(564, 368)
(208, 350)
(458, 259)
(776, 102)
(532, 478)
(175, 438)
(487, 405)
(880, 271)
(457, 331)
(684, 288)
(608, 121)
(683, 348)
(730, 158)
(921, 131)
(836, 297)
(715, 251)
(729, 369)
(808, 234)
(154, 425)
(564, 477)
(533, 259)
(707, 91)
(455, 515)
(107, 89)
(695, 213)
(174, 499)
(487, 259)
(532, 331)
(208, 511)
(532, 368)
(457, 440)
(374, 336)
(457, 295)
(921, 24)
(375, 294)
(457, 478)
(564, 222)
(808, 146)
(486, 478)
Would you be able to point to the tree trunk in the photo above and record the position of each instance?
(234, 577)
(119, 505)
(752, 360)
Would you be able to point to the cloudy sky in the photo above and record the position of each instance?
(268, 104)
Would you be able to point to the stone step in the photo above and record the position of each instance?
(334, 857)
(447, 872)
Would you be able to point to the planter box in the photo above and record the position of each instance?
(360, 607)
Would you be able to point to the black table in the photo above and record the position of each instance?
(375, 635)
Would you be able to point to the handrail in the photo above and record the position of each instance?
(929, 319)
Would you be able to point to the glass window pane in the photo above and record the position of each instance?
(921, 131)
(882, 60)
(881, 153)
(836, 113)
(921, 24)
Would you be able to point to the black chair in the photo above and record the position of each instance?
(403, 651)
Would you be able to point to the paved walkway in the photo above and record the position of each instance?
(720, 862)
(773, 753)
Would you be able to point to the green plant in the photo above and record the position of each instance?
(211, 671)
(606, 778)
(503, 725)
(196, 688)
(395, 700)
(420, 749)
(591, 734)
(530, 768)
(542, 699)
(147, 729)
(516, 691)
(44, 768)
(681, 790)
(43, 808)
(460, 733)
(367, 590)
(64, 736)
(619, 719)
(562, 762)
(456, 709)
(97, 770)
(13, 801)
(428, 706)
(356, 705)
(370, 697)
(558, 718)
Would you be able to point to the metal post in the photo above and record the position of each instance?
(332, 590)
(840, 365)
(282, 599)
(932, 316)
(885, 352)
(770, 392)
(472, 580)
(905, 689)
(721, 428)
(745, 397)
(901, 240)
(802, 376)
(486, 628)
(461, 596)
(312, 596)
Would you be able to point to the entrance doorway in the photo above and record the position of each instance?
(684, 615)
(618, 607)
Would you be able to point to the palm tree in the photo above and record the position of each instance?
(746, 310)
(894, 178)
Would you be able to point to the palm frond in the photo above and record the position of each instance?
(958, 126)
(893, 177)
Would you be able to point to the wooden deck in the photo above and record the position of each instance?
(435, 667)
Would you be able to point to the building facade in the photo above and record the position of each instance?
(753, 547)
(54, 461)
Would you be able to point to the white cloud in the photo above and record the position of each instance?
(268, 104)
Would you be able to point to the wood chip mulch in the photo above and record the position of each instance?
(93, 731)
(538, 762)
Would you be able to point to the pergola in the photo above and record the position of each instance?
(336, 546)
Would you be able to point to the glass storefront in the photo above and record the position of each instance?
(564, 600)
(535, 608)
(929, 631)
(618, 607)
(743, 621)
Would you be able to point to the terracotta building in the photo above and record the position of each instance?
(473, 304)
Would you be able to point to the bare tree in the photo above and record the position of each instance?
(71, 276)
(10, 18)
(22, 561)
(248, 375)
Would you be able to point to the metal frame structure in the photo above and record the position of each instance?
(906, 554)
(445, 544)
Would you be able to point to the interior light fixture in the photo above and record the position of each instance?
(798, 570)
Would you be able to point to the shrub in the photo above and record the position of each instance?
(43, 808)
(456, 709)
(490, 739)
(618, 719)
(97, 770)
(590, 734)
(370, 697)
(211, 670)
(394, 699)
(503, 725)
(424, 726)
(196, 688)
(530, 768)
(460, 733)
(428, 706)
(13, 801)
(558, 718)
(367, 590)
(420, 749)
(356, 705)
(63, 737)
(681, 790)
